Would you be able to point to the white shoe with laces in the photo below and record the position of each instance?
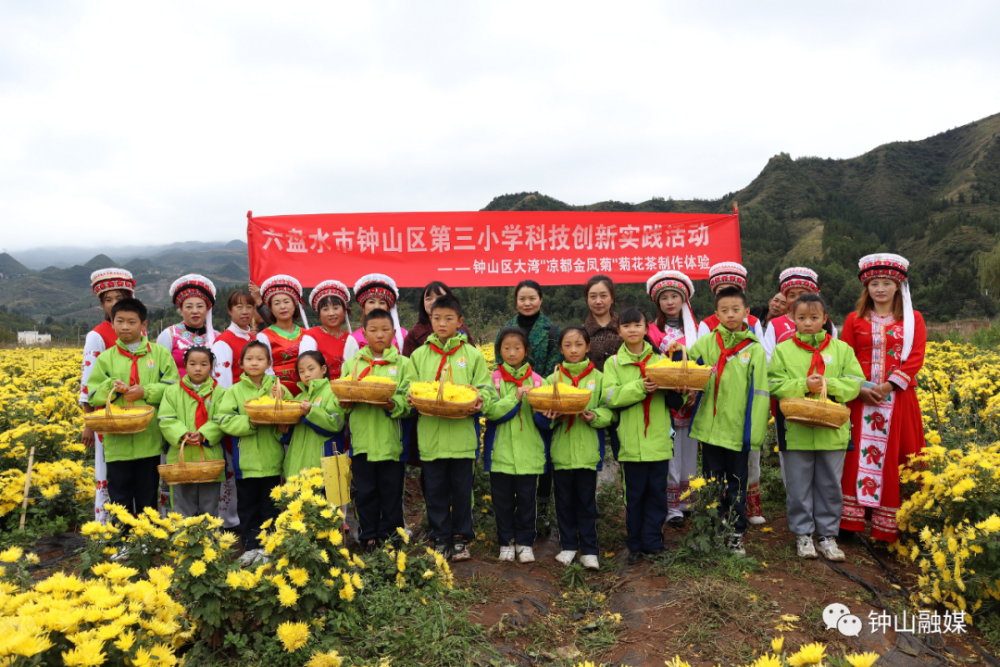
(804, 546)
(590, 562)
(248, 557)
(121, 553)
(828, 547)
(566, 557)
(524, 554)
(506, 554)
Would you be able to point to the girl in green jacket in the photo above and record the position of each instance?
(320, 431)
(813, 459)
(187, 413)
(257, 452)
(513, 448)
(577, 451)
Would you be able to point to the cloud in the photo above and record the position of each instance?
(132, 123)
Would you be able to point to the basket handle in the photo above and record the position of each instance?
(107, 406)
(555, 387)
(684, 359)
(441, 381)
(822, 393)
(354, 375)
(180, 456)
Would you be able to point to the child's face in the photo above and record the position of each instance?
(128, 327)
(731, 311)
(241, 314)
(110, 298)
(283, 307)
(633, 332)
(512, 351)
(430, 298)
(794, 294)
(310, 370)
(574, 348)
(255, 362)
(332, 315)
(379, 334)
(670, 303)
(194, 310)
(198, 367)
(373, 303)
(809, 318)
(445, 322)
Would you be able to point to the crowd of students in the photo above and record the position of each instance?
(199, 380)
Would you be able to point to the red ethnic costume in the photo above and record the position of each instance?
(101, 338)
(335, 348)
(179, 337)
(379, 286)
(886, 435)
(284, 346)
(684, 464)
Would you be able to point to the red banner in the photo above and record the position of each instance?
(489, 248)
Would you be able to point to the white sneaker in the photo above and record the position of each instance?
(736, 546)
(246, 560)
(590, 562)
(261, 558)
(828, 547)
(566, 557)
(506, 554)
(121, 553)
(756, 520)
(524, 554)
(804, 546)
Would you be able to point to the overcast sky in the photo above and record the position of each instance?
(130, 123)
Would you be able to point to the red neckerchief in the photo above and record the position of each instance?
(444, 356)
(727, 354)
(646, 402)
(576, 383)
(201, 412)
(817, 363)
(507, 377)
(373, 364)
(133, 374)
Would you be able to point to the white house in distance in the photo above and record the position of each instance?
(32, 338)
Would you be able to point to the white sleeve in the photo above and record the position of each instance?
(261, 338)
(166, 339)
(769, 341)
(307, 344)
(702, 329)
(92, 348)
(223, 371)
(835, 334)
(350, 348)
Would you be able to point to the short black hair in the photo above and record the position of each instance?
(447, 301)
(203, 350)
(240, 296)
(316, 356)
(376, 314)
(329, 301)
(528, 283)
(252, 345)
(731, 291)
(818, 300)
(130, 305)
(578, 329)
(517, 332)
(631, 316)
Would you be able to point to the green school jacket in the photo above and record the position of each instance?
(582, 445)
(787, 376)
(313, 437)
(257, 451)
(177, 417)
(379, 434)
(624, 392)
(157, 371)
(512, 443)
(440, 437)
(742, 393)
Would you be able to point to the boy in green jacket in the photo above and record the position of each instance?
(644, 433)
(316, 434)
(257, 452)
(136, 371)
(380, 434)
(448, 447)
(187, 414)
(731, 413)
(813, 458)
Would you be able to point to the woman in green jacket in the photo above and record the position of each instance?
(577, 452)
(257, 452)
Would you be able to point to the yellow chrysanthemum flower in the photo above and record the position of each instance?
(293, 636)
(809, 654)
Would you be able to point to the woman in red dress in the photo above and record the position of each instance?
(283, 296)
(333, 303)
(889, 339)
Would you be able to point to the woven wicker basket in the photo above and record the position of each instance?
(439, 407)
(691, 376)
(567, 404)
(197, 472)
(818, 414)
(358, 391)
(107, 423)
(280, 413)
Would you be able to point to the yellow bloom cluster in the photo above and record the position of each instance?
(47, 481)
(455, 393)
(263, 400)
(813, 653)
(369, 378)
(563, 389)
(670, 363)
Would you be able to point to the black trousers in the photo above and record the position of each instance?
(255, 506)
(448, 497)
(731, 469)
(135, 484)
(514, 508)
(544, 491)
(645, 503)
(576, 509)
(379, 497)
